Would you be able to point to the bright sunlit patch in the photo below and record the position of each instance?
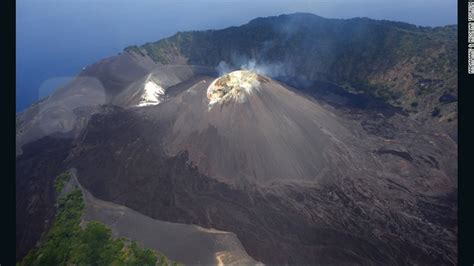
(219, 259)
(152, 94)
(235, 86)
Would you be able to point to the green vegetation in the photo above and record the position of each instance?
(135, 49)
(67, 243)
(61, 180)
(387, 94)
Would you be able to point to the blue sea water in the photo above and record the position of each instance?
(55, 39)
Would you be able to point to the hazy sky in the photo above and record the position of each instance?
(56, 38)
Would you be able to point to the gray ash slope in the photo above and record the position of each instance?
(299, 180)
(268, 134)
(48, 128)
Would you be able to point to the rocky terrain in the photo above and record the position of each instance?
(203, 246)
(305, 163)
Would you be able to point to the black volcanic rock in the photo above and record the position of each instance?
(447, 98)
(36, 168)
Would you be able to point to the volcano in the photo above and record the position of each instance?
(245, 127)
(259, 168)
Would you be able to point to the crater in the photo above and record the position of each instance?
(234, 86)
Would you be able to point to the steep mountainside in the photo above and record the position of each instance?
(407, 66)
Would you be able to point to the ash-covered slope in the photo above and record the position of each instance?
(207, 157)
(48, 127)
(248, 128)
(124, 80)
(202, 245)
